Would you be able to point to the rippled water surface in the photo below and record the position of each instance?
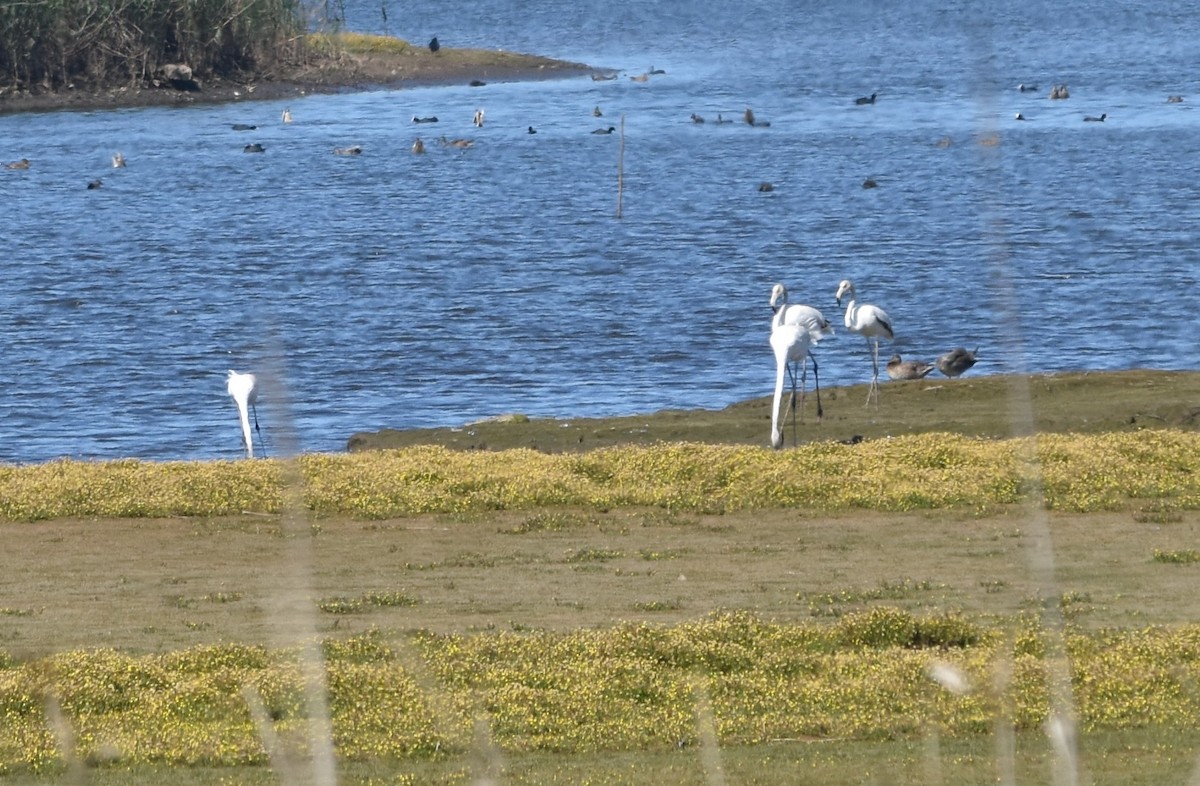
(398, 290)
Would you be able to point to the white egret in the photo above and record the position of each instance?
(956, 362)
(244, 390)
(814, 323)
(870, 322)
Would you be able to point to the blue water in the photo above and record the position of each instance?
(394, 290)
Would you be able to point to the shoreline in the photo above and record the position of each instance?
(343, 74)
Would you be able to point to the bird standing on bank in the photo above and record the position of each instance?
(434, 46)
(790, 343)
(870, 322)
(815, 324)
(907, 369)
(244, 390)
(956, 362)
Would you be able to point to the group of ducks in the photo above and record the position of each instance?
(796, 328)
(1060, 92)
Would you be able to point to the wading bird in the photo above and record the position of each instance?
(907, 369)
(244, 390)
(790, 343)
(870, 322)
(956, 362)
(811, 321)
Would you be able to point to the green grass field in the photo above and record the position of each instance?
(703, 612)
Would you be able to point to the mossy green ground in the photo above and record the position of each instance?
(498, 586)
(984, 406)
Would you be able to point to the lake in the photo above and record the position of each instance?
(397, 290)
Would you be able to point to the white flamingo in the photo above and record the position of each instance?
(790, 343)
(810, 320)
(244, 389)
(872, 323)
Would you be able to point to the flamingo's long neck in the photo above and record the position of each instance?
(781, 361)
(851, 312)
(245, 418)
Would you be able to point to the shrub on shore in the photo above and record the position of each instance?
(57, 43)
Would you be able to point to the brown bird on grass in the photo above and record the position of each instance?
(907, 369)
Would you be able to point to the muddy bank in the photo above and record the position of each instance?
(344, 72)
(984, 406)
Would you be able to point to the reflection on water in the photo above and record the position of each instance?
(392, 289)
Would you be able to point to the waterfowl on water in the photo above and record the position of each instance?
(94, 184)
(608, 130)
(865, 100)
(596, 112)
(460, 143)
(722, 120)
(696, 118)
(1024, 88)
(22, 164)
(654, 70)
(286, 116)
(907, 369)
(640, 78)
(1174, 99)
(348, 151)
(477, 83)
(603, 77)
(430, 119)
(478, 119)
(870, 183)
(955, 362)
(418, 146)
(1094, 119)
(254, 147)
(1020, 116)
(766, 187)
(531, 130)
(243, 127)
(1059, 92)
(118, 160)
(750, 119)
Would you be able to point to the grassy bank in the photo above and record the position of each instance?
(982, 406)
(685, 612)
(921, 472)
(627, 688)
(254, 51)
